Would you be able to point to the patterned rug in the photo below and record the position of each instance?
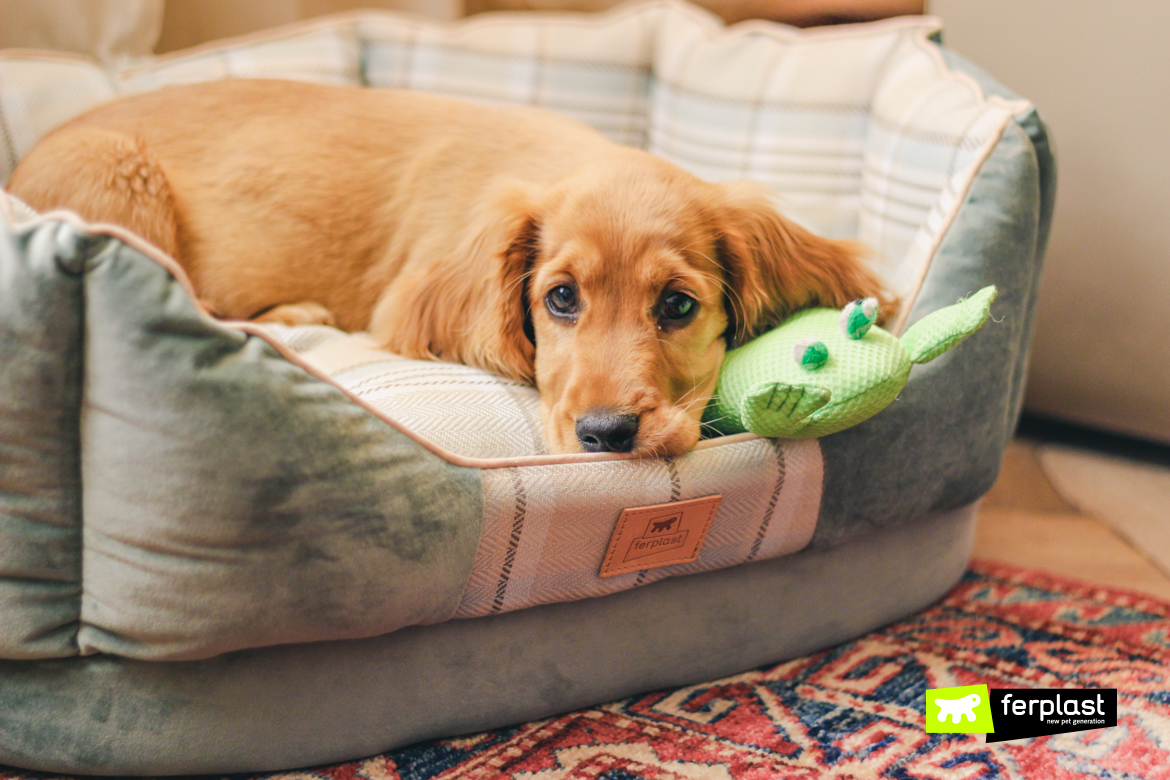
(856, 710)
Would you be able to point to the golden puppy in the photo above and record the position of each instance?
(505, 238)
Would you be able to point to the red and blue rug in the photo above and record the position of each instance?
(856, 710)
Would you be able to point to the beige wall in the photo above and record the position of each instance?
(1100, 74)
(190, 22)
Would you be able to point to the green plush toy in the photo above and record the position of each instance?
(823, 370)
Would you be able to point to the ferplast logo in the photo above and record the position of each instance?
(647, 537)
(965, 709)
(1037, 712)
(1017, 713)
(661, 534)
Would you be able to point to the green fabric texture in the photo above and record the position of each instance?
(769, 388)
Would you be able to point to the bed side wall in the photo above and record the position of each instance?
(940, 444)
(230, 499)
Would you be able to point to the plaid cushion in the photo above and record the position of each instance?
(461, 409)
(598, 72)
(328, 54)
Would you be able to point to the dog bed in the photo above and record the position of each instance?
(226, 547)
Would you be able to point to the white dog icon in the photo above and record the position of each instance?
(957, 708)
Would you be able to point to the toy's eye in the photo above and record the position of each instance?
(858, 317)
(677, 308)
(810, 354)
(562, 301)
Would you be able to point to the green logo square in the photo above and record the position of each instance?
(965, 709)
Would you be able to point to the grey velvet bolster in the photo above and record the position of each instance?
(230, 499)
(41, 324)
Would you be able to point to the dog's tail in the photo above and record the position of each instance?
(104, 176)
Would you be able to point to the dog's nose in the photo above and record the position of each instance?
(600, 431)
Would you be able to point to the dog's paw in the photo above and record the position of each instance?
(303, 313)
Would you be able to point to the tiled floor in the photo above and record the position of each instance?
(1023, 521)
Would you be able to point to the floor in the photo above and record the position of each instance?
(1027, 521)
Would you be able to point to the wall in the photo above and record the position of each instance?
(190, 22)
(1100, 75)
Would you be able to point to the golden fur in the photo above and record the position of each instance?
(441, 227)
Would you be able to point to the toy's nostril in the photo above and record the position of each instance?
(601, 431)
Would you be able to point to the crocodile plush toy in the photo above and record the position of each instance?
(823, 370)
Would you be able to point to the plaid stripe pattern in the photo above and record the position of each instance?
(328, 54)
(861, 132)
(590, 69)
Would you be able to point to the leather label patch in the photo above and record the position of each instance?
(647, 537)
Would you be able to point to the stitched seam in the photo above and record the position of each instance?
(781, 464)
(513, 540)
(675, 492)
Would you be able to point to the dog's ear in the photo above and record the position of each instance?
(471, 307)
(774, 267)
(505, 248)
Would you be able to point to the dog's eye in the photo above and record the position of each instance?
(678, 307)
(561, 301)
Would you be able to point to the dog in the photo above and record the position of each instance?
(506, 238)
(662, 526)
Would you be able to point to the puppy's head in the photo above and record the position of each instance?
(626, 296)
(619, 288)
